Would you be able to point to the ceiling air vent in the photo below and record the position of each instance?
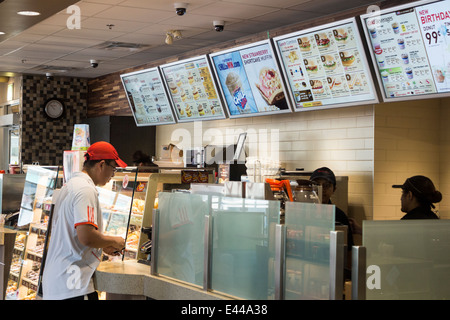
(121, 46)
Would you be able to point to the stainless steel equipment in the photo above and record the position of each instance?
(11, 190)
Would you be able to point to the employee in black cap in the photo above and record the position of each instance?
(418, 196)
(326, 178)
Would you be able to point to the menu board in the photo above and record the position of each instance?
(250, 80)
(411, 49)
(147, 97)
(326, 66)
(192, 90)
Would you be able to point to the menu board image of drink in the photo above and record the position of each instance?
(192, 90)
(326, 66)
(411, 49)
(147, 97)
(250, 80)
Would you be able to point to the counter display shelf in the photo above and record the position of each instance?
(7, 239)
(34, 216)
(121, 199)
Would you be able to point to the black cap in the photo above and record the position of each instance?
(324, 173)
(421, 187)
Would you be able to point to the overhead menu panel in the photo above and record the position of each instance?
(410, 48)
(192, 90)
(326, 67)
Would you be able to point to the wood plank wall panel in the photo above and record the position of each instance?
(107, 97)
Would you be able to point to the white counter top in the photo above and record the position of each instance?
(134, 279)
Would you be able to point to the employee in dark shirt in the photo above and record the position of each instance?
(418, 196)
(325, 177)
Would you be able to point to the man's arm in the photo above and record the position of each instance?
(91, 237)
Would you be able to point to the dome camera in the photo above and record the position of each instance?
(180, 8)
(94, 63)
(219, 25)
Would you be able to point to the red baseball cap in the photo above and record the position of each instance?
(103, 150)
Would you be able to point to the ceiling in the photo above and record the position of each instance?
(37, 45)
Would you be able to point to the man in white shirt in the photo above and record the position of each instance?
(76, 239)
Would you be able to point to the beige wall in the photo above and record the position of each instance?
(411, 138)
(341, 139)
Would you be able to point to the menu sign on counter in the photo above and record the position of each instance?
(192, 90)
(326, 66)
(411, 49)
(250, 80)
(147, 97)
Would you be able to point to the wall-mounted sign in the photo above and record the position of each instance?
(410, 47)
(147, 97)
(192, 90)
(250, 80)
(326, 67)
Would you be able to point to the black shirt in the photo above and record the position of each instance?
(421, 212)
(342, 219)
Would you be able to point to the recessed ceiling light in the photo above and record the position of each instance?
(1, 33)
(28, 13)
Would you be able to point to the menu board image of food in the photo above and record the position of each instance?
(434, 20)
(250, 80)
(192, 90)
(326, 66)
(147, 97)
(411, 49)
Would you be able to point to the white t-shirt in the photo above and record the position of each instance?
(69, 265)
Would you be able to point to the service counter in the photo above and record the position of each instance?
(7, 238)
(130, 280)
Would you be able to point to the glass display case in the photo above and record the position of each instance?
(116, 199)
(35, 209)
(123, 200)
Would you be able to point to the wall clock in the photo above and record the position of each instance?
(54, 109)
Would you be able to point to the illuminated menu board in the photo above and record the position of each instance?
(147, 97)
(326, 67)
(192, 90)
(250, 80)
(410, 48)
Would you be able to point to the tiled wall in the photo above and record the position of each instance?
(44, 140)
(411, 138)
(340, 138)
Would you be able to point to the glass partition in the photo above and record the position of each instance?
(407, 260)
(307, 271)
(243, 247)
(181, 231)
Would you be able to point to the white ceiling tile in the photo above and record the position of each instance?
(118, 25)
(235, 11)
(134, 14)
(86, 33)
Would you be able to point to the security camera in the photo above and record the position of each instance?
(94, 63)
(49, 76)
(180, 8)
(219, 25)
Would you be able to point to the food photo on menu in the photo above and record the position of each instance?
(250, 80)
(192, 91)
(147, 97)
(325, 67)
(411, 48)
(434, 20)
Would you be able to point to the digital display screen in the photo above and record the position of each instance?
(147, 97)
(326, 67)
(410, 47)
(250, 80)
(192, 90)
